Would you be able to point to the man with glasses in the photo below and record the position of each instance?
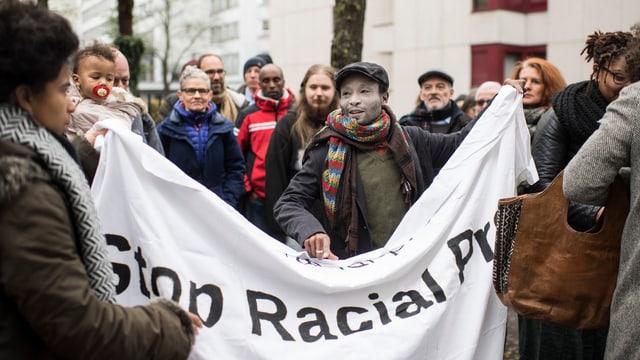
(229, 102)
(200, 141)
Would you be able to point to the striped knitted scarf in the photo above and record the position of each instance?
(18, 127)
(374, 133)
(339, 181)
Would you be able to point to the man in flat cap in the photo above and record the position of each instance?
(436, 111)
(366, 167)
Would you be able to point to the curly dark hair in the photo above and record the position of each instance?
(36, 44)
(633, 54)
(96, 49)
(604, 48)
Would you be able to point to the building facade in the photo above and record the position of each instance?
(177, 32)
(473, 40)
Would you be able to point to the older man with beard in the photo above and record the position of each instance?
(436, 111)
(316, 99)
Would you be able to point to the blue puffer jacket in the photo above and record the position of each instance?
(222, 168)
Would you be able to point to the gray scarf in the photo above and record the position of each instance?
(19, 127)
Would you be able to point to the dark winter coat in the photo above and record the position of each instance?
(47, 309)
(424, 118)
(429, 151)
(222, 169)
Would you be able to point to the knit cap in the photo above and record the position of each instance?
(254, 61)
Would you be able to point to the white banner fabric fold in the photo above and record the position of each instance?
(428, 294)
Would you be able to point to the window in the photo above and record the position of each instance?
(523, 6)
(231, 63)
(225, 32)
(222, 5)
(495, 61)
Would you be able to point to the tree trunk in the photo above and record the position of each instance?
(132, 48)
(125, 17)
(348, 29)
(167, 49)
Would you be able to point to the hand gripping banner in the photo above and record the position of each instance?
(426, 295)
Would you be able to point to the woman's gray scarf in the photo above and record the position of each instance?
(19, 127)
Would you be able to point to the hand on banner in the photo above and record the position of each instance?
(519, 85)
(317, 245)
(196, 322)
(92, 134)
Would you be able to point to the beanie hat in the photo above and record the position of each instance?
(254, 61)
(266, 57)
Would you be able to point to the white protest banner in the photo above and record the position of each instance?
(428, 294)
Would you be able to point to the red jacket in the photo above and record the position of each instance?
(256, 124)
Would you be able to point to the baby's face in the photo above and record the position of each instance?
(95, 71)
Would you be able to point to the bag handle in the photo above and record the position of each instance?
(616, 207)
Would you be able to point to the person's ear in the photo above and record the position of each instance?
(76, 80)
(385, 98)
(24, 97)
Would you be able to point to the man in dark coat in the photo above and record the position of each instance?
(343, 166)
(436, 111)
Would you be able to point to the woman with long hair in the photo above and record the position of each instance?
(542, 81)
(316, 99)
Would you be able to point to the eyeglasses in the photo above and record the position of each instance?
(192, 91)
(214, 71)
(481, 102)
(618, 78)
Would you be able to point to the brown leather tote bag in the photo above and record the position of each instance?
(545, 270)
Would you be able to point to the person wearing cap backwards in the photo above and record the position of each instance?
(343, 163)
(251, 71)
(436, 110)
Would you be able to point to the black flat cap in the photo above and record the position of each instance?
(373, 71)
(435, 73)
